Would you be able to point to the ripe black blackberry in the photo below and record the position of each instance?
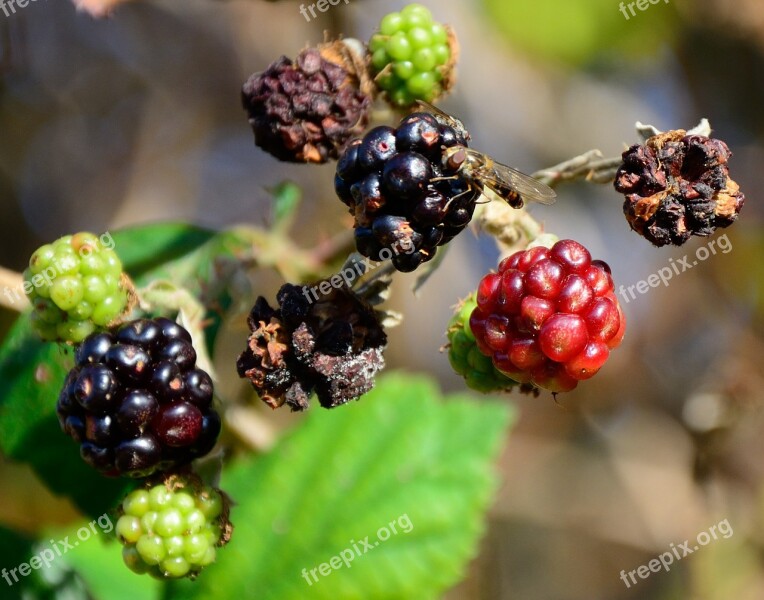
(404, 200)
(136, 403)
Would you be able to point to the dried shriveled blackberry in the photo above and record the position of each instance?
(678, 185)
(331, 346)
(306, 110)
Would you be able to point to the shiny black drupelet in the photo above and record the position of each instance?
(404, 201)
(135, 401)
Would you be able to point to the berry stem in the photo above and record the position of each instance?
(589, 166)
(334, 248)
(515, 229)
(12, 294)
(364, 285)
(251, 429)
(512, 228)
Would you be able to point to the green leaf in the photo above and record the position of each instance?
(286, 200)
(204, 262)
(16, 549)
(31, 375)
(210, 270)
(145, 247)
(99, 562)
(401, 455)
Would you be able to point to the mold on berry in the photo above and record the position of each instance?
(329, 344)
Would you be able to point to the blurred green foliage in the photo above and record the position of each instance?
(576, 33)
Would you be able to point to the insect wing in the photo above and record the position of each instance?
(444, 118)
(502, 176)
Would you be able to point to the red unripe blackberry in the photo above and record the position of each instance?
(135, 401)
(549, 317)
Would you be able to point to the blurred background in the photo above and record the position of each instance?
(137, 118)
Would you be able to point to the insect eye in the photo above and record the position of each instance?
(456, 159)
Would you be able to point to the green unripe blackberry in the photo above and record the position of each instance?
(76, 286)
(412, 57)
(172, 529)
(466, 359)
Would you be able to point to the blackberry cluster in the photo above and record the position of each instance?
(135, 402)
(465, 357)
(549, 317)
(411, 56)
(75, 286)
(405, 202)
(677, 186)
(329, 344)
(171, 531)
(307, 110)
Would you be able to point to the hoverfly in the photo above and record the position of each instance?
(480, 170)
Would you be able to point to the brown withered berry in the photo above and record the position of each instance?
(307, 109)
(676, 186)
(330, 344)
